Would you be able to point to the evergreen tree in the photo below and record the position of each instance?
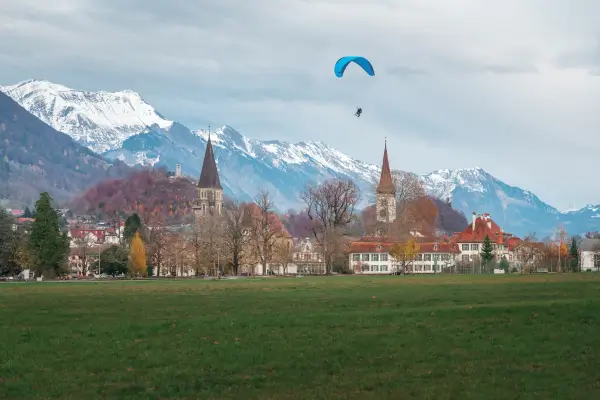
(7, 238)
(137, 257)
(487, 251)
(133, 225)
(49, 246)
(113, 261)
(27, 213)
(574, 255)
(504, 265)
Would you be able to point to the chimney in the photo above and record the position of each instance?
(489, 221)
(474, 218)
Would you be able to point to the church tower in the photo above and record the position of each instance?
(209, 193)
(386, 192)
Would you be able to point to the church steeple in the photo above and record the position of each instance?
(209, 193)
(209, 176)
(386, 184)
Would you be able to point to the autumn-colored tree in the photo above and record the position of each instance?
(405, 253)
(137, 257)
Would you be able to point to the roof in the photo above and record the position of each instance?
(209, 176)
(81, 233)
(590, 245)
(376, 244)
(470, 235)
(386, 184)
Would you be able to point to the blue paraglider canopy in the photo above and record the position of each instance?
(342, 63)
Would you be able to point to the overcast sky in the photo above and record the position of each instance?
(511, 86)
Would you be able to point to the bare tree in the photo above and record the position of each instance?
(527, 252)
(157, 240)
(235, 233)
(284, 252)
(264, 229)
(84, 249)
(330, 207)
(207, 241)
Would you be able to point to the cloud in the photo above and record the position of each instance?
(508, 86)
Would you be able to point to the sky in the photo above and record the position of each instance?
(510, 86)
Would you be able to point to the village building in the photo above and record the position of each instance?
(589, 255)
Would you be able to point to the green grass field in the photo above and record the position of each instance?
(436, 337)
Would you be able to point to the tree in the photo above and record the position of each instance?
(487, 251)
(264, 229)
(137, 257)
(283, 253)
(83, 248)
(113, 261)
(7, 242)
(49, 246)
(235, 233)
(133, 225)
(527, 251)
(405, 253)
(156, 244)
(574, 254)
(208, 243)
(27, 213)
(504, 264)
(330, 207)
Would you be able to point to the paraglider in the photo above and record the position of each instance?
(342, 64)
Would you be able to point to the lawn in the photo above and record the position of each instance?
(435, 337)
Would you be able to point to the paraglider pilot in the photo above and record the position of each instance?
(358, 112)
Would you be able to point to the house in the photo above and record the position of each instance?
(307, 258)
(589, 255)
(371, 255)
(86, 237)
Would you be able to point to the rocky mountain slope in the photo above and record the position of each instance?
(122, 126)
(36, 158)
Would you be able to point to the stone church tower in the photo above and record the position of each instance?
(386, 192)
(209, 193)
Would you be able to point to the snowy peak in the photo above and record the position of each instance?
(99, 120)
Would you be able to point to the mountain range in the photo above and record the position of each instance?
(36, 158)
(122, 126)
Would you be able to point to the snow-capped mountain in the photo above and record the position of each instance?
(122, 126)
(99, 120)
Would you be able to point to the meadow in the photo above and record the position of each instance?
(430, 337)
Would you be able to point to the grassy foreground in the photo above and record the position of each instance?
(444, 337)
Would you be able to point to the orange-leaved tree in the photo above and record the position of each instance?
(405, 253)
(137, 257)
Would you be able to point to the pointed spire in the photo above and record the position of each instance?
(386, 184)
(209, 176)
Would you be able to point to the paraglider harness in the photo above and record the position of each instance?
(358, 112)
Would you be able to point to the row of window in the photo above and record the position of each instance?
(384, 257)
(374, 268)
(475, 247)
(370, 257)
(467, 257)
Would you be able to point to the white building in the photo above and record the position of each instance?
(589, 255)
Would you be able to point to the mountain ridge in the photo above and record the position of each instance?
(282, 168)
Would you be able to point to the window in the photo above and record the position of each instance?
(465, 247)
(427, 267)
(374, 257)
(365, 257)
(384, 268)
(419, 257)
(355, 257)
(374, 268)
(596, 261)
(365, 268)
(494, 246)
(427, 257)
(436, 257)
(445, 257)
(435, 247)
(474, 247)
(383, 257)
(465, 257)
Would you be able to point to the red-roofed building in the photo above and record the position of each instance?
(86, 237)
